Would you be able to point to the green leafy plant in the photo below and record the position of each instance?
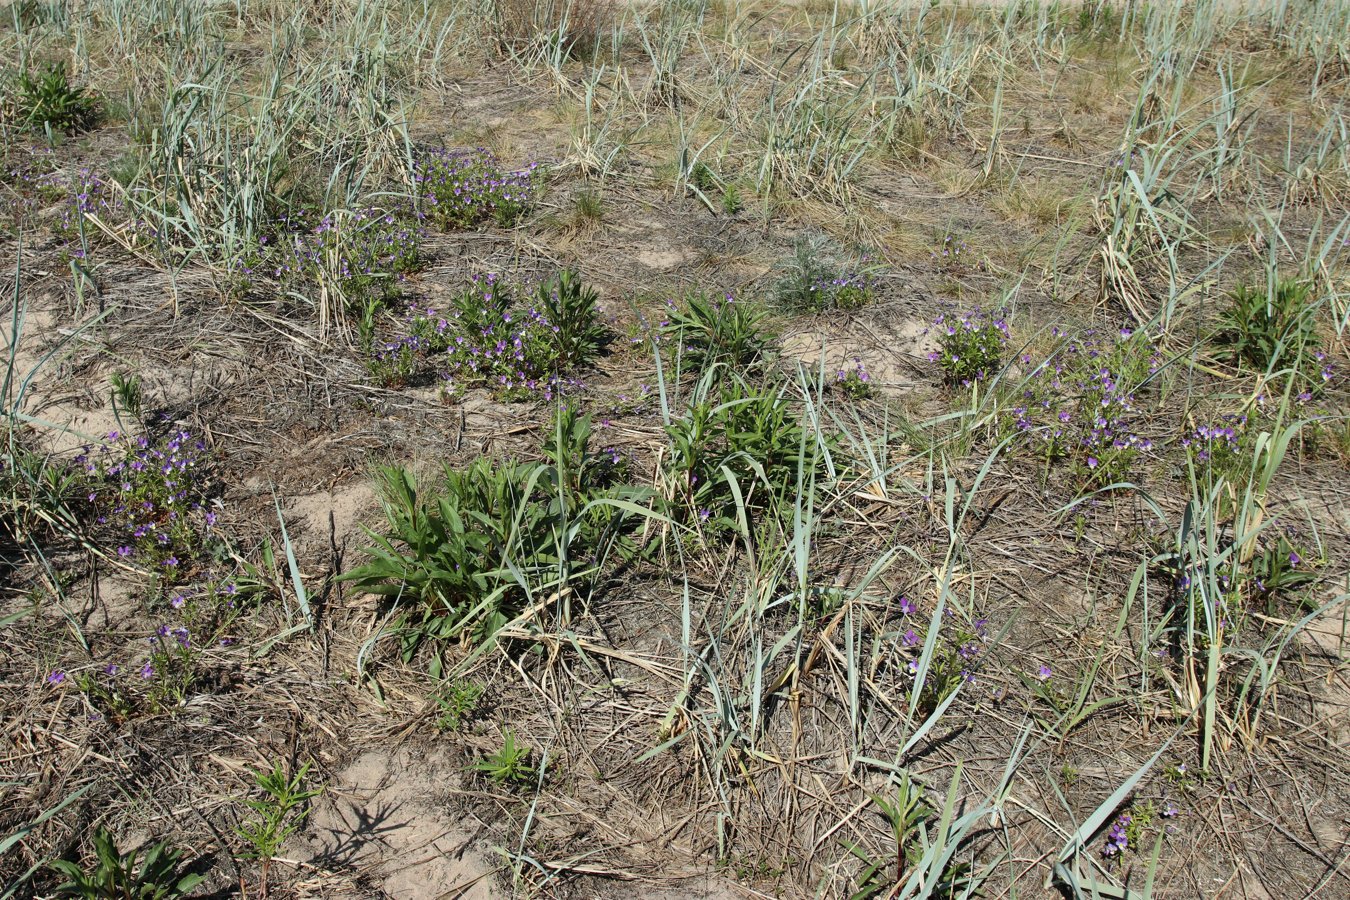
(49, 101)
(739, 447)
(813, 279)
(126, 393)
(731, 200)
(1264, 328)
(126, 876)
(510, 765)
(916, 854)
(465, 554)
(571, 308)
(970, 345)
(457, 701)
(717, 330)
(277, 814)
(448, 549)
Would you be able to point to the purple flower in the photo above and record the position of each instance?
(1117, 839)
(906, 606)
(1294, 558)
(56, 677)
(1043, 673)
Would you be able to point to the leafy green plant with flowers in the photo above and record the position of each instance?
(970, 345)
(151, 499)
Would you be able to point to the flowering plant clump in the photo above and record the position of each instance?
(361, 255)
(161, 676)
(1220, 449)
(819, 277)
(854, 381)
(75, 197)
(83, 193)
(842, 291)
(487, 338)
(953, 255)
(397, 361)
(466, 188)
(958, 655)
(152, 495)
(970, 345)
(1078, 403)
(1130, 828)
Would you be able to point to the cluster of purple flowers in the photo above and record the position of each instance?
(953, 254)
(841, 292)
(465, 188)
(1079, 402)
(75, 195)
(970, 345)
(1118, 837)
(83, 193)
(854, 380)
(481, 340)
(152, 495)
(364, 255)
(1216, 444)
(425, 332)
(161, 678)
(960, 651)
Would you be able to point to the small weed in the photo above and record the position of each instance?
(127, 876)
(509, 766)
(908, 819)
(126, 393)
(457, 701)
(731, 200)
(854, 381)
(278, 814)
